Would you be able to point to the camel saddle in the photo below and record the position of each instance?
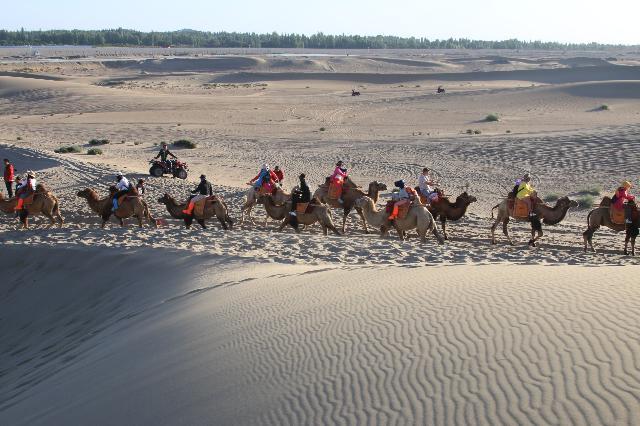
(518, 208)
(29, 200)
(616, 215)
(264, 191)
(122, 198)
(335, 191)
(200, 205)
(403, 209)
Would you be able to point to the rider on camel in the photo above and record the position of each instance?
(25, 189)
(426, 185)
(300, 194)
(526, 194)
(122, 187)
(279, 174)
(338, 177)
(618, 201)
(266, 178)
(203, 190)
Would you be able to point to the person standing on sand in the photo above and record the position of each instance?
(9, 176)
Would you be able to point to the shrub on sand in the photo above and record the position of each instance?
(185, 143)
(604, 107)
(322, 129)
(68, 150)
(492, 117)
(94, 151)
(98, 141)
(551, 197)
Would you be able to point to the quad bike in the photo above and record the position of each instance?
(175, 168)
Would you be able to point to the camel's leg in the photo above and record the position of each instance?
(49, 216)
(493, 230)
(443, 221)
(139, 217)
(202, 223)
(284, 223)
(345, 215)
(229, 221)
(223, 223)
(188, 220)
(121, 221)
(505, 229)
(364, 222)
(434, 231)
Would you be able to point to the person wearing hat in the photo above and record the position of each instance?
(164, 155)
(300, 194)
(9, 176)
(338, 177)
(266, 177)
(526, 193)
(203, 190)
(426, 185)
(122, 187)
(618, 201)
(25, 189)
(401, 197)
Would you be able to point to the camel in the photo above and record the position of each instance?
(218, 209)
(549, 215)
(350, 193)
(131, 206)
(418, 217)
(446, 210)
(600, 217)
(320, 214)
(44, 203)
(252, 199)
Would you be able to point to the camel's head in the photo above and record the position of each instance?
(164, 199)
(566, 202)
(466, 198)
(378, 186)
(86, 193)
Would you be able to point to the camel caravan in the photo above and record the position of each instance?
(409, 209)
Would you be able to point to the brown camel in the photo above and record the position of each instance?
(252, 198)
(418, 217)
(131, 206)
(446, 210)
(320, 213)
(44, 203)
(218, 209)
(600, 217)
(549, 215)
(350, 193)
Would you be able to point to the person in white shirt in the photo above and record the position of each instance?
(426, 184)
(122, 186)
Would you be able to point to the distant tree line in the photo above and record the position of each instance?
(192, 38)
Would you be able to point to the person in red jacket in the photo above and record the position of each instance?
(622, 195)
(266, 178)
(279, 173)
(9, 176)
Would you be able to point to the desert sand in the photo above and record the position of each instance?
(255, 326)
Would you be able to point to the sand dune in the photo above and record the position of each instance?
(163, 340)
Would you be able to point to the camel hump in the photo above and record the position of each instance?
(606, 201)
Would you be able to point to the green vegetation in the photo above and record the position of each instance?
(585, 201)
(551, 197)
(322, 129)
(476, 132)
(99, 142)
(185, 143)
(604, 107)
(192, 38)
(94, 151)
(594, 190)
(492, 117)
(68, 150)
(19, 138)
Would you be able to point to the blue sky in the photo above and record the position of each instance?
(612, 21)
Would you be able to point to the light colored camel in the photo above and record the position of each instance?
(445, 210)
(600, 217)
(44, 203)
(350, 193)
(216, 209)
(131, 206)
(320, 214)
(418, 218)
(252, 198)
(547, 214)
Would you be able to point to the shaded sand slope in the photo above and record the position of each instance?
(550, 76)
(150, 337)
